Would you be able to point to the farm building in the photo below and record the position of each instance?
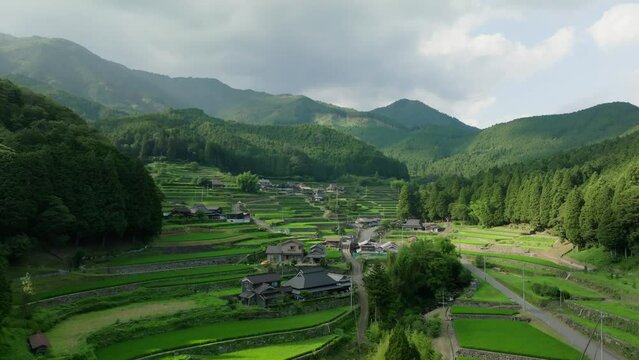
(432, 227)
(368, 247)
(333, 242)
(316, 253)
(217, 183)
(265, 184)
(390, 247)
(412, 224)
(211, 213)
(315, 281)
(367, 222)
(238, 217)
(38, 343)
(263, 289)
(179, 212)
(287, 251)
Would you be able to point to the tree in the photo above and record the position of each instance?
(408, 205)
(571, 212)
(247, 182)
(399, 348)
(481, 211)
(381, 296)
(5, 292)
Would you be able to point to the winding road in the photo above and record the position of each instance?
(572, 336)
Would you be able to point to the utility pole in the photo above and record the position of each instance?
(523, 285)
(601, 346)
(485, 273)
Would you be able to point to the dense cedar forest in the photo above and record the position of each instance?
(301, 150)
(588, 196)
(62, 182)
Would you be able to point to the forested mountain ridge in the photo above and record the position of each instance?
(298, 150)
(61, 181)
(97, 88)
(589, 195)
(539, 136)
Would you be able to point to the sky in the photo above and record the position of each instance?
(484, 62)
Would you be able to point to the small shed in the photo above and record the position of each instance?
(39, 343)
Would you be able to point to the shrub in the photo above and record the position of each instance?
(549, 291)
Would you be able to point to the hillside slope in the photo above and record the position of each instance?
(298, 150)
(60, 181)
(535, 137)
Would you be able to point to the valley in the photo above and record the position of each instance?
(191, 217)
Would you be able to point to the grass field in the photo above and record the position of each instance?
(279, 351)
(512, 337)
(213, 332)
(482, 311)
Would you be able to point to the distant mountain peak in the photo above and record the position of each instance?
(415, 114)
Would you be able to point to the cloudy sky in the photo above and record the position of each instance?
(482, 61)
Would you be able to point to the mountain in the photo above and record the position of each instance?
(538, 136)
(415, 114)
(97, 88)
(281, 151)
(61, 181)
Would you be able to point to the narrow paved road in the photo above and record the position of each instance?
(357, 279)
(572, 336)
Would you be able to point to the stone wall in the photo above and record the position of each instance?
(629, 351)
(489, 355)
(488, 316)
(627, 325)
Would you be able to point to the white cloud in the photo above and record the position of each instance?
(494, 56)
(619, 25)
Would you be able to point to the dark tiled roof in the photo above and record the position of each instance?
(413, 222)
(264, 278)
(38, 340)
(273, 249)
(309, 278)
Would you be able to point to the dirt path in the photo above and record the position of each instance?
(446, 343)
(358, 279)
(448, 230)
(570, 335)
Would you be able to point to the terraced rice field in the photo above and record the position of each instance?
(487, 293)
(472, 235)
(73, 283)
(472, 310)
(279, 351)
(511, 337)
(214, 332)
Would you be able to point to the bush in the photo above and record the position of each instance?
(549, 291)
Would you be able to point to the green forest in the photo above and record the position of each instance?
(61, 182)
(589, 196)
(301, 150)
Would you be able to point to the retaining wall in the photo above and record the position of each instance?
(489, 355)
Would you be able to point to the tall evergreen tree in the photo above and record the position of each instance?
(399, 348)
